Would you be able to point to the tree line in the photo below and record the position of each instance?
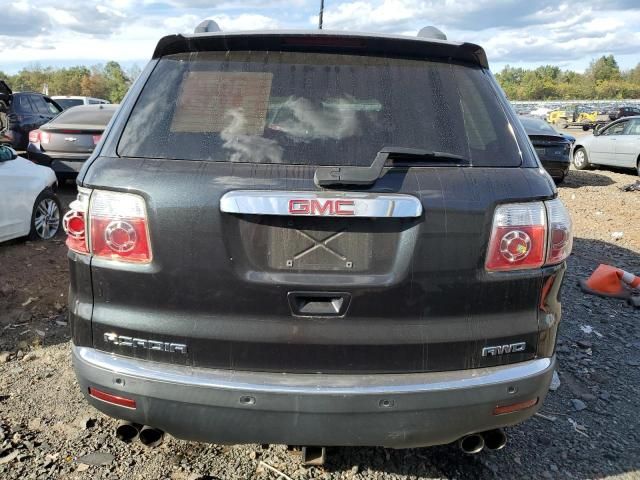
(109, 81)
(602, 80)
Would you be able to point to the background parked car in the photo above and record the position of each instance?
(553, 148)
(29, 206)
(616, 145)
(68, 101)
(21, 112)
(624, 112)
(69, 139)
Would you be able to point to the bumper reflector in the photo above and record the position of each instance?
(112, 399)
(515, 407)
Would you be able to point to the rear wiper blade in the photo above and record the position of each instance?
(326, 176)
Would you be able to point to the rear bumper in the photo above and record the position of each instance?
(61, 163)
(391, 410)
(557, 169)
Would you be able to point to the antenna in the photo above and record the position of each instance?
(321, 11)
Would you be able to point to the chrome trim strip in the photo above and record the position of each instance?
(371, 205)
(309, 384)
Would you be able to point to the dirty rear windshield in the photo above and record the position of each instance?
(314, 109)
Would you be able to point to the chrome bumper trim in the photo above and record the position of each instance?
(310, 384)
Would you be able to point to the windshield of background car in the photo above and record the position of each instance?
(69, 102)
(315, 109)
(94, 117)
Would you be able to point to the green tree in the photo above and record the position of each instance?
(604, 68)
(116, 81)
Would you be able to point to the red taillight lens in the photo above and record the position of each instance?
(118, 227)
(96, 139)
(110, 225)
(34, 136)
(529, 235)
(560, 232)
(518, 237)
(74, 222)
(44, 137)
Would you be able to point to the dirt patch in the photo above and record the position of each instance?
(588, 428)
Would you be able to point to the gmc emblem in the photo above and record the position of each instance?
(321, 207)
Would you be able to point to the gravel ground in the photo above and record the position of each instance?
(588, 428)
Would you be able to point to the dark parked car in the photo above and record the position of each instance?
(316, 238)
(553, 148)
(624, 112)
(69, 139)
(21, 112)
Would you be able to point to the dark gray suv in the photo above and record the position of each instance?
(316, 238)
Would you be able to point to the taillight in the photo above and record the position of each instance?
(518, 237)
(34, 136)
(109, 225)
(75, 224)
(560, 232)
(118, 227)
(96, 139)
(529, 235)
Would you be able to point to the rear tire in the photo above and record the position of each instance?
(46, 217)
(580, 159)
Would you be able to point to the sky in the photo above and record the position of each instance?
(518, 33)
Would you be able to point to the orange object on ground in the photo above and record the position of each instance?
(610, 281)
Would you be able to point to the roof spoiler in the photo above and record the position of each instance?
(323, 41)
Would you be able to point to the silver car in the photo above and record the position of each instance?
(617, 145)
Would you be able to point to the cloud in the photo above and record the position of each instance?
(23, 20)
(515, 31)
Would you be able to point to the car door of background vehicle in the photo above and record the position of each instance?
(26, 113)
(602, 150)
(628, 145)
(42, 109)
(15, 208)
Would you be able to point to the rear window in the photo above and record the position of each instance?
(98, 117)
(314, 109)
(533, 126)
(69, 102)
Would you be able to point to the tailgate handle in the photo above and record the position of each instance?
(319, 304)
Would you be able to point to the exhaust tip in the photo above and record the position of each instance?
(127, 431)
(495, 439)
(471, 444)
(151, 437)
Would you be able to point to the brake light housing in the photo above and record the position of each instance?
(39, 137)
(110, 225)
(529, 235)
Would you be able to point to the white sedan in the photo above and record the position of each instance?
(28, 205)
(617, 145)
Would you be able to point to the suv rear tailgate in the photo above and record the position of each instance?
(419, 299)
